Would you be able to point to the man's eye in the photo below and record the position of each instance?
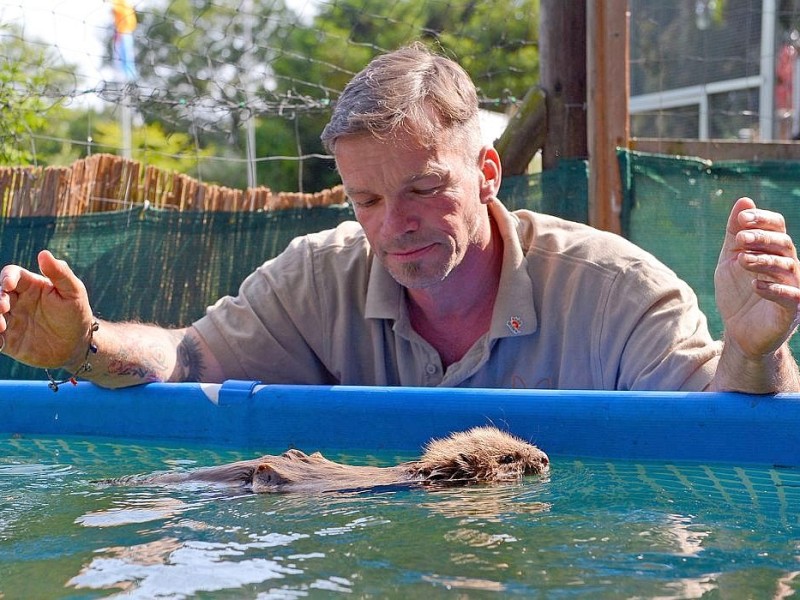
(427, 191)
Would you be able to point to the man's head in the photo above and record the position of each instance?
(409, 93)
(407, 143)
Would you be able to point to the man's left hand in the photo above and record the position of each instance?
(757, 280)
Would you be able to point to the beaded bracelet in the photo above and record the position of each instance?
(84, 368)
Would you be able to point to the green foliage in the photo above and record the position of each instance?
(20, 115)
(151, 145)
(491, 40)
(26, 77)
(203, 53)
(494, 41)
(497, 43)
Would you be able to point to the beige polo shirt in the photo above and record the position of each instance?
(578, 309)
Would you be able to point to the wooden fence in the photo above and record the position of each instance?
(104, 182)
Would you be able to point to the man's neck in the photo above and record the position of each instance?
(455, 314)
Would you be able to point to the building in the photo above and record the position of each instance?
(715, 69)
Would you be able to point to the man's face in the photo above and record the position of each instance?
(421, 208)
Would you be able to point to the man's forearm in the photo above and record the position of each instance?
(134, 353)
(771, 373)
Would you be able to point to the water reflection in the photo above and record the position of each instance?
(134, 511)
(487, 503)
(177, 569)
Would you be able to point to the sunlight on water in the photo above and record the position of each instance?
(171, 568)
(590, 529)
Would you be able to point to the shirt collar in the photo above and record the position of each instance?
(514, 313)
(384, 294)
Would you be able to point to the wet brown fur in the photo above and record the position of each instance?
(479, 455)
(482, 454)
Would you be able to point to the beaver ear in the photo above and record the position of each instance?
(267, 479)
(459, 470)
(472, 467)
(294, 453)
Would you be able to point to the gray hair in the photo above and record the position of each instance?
(410, 90)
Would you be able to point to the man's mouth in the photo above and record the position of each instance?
(407, 254)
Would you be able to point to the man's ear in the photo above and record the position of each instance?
(492, 173)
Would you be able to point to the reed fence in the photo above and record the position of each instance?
(104, 182)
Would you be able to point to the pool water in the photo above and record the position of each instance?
(590, 529)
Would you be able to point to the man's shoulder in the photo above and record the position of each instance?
(346, 235)
(547, 237)
(547, 233)
(327, 256)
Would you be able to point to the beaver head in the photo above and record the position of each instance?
(481, 454)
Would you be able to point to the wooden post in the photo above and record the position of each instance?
(608, 87)
(562, 65)
(524, 135)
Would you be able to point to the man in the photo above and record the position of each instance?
(437, 283)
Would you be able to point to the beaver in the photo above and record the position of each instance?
(479, 455)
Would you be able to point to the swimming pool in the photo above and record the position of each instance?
(717, 427)
(650, 495)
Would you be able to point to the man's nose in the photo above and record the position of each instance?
(400, 216)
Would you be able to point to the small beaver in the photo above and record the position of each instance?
(479, 455)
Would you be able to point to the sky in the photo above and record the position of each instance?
(77, 29)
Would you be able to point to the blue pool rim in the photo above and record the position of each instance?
(667, 426)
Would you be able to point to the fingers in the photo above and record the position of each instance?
(759, 219)
(15, 279)
(759, 232)
(745, 216)
(54, 272)
(762, 244)
(17, 283)
(741, 205)
(60, 275)
(766, 251)
(9, 278)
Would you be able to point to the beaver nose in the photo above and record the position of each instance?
(542, 465)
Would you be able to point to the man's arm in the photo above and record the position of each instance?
(757, 285)
(774, 372)
(46, 321)
(134, 353)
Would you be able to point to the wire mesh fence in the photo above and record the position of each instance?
(232, 92)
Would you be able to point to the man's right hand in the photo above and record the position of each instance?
(45, 319)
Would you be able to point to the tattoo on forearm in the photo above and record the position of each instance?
(145, 362)
(153, 360)
(190, 361)
(148, 366)
(133, 369)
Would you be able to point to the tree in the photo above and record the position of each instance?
(208, 66)
(494, 41)
(29, 102)
(204, 61)
(152, 146)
